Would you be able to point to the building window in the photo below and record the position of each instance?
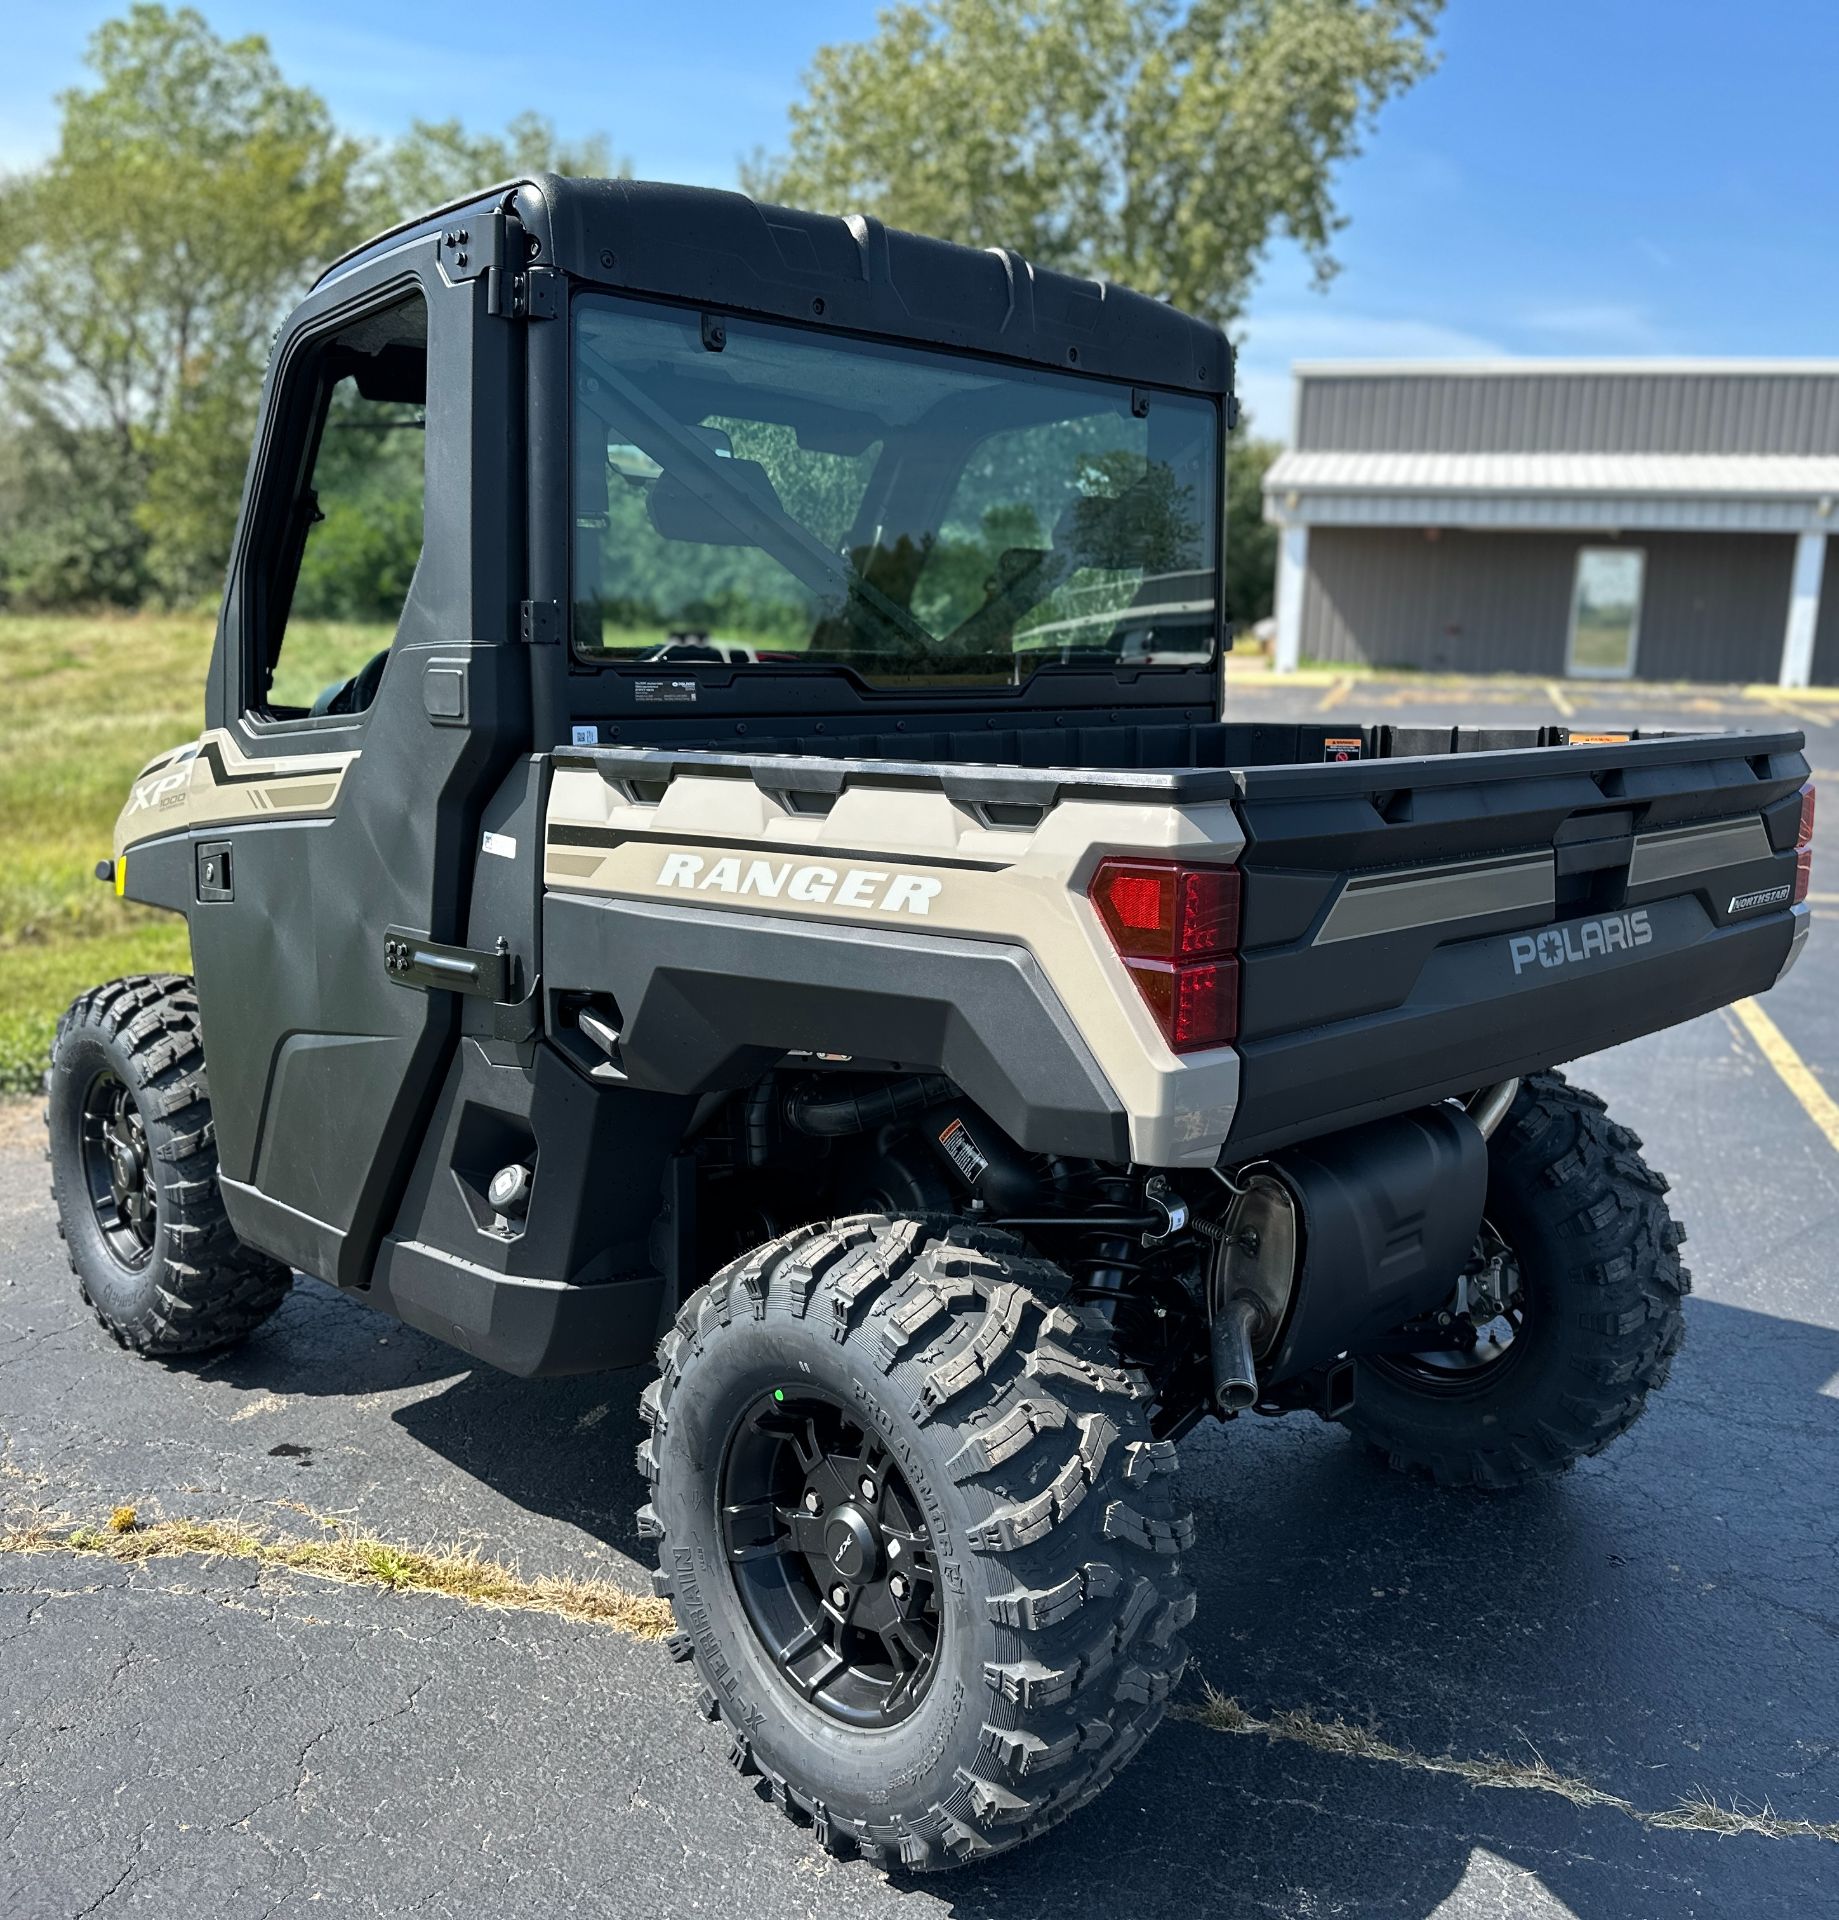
(1606, 612)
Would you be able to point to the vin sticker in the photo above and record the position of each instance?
(584, 733)
(1768, 897)
(502, 844)
(661, 693)
(1341, 749)
(963, 1151)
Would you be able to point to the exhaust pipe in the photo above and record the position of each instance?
(1235, 1365)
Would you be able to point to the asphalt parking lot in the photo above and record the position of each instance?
(1448, 1705)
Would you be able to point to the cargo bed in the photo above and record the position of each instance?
(1452, 907)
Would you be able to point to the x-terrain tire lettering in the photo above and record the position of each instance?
(1047, 1511)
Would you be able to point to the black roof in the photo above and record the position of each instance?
(729, 252)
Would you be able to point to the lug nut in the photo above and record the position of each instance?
(839, 1598)
(812, 1502)
(893, 1549)
(897, 1587)
(868, 1488)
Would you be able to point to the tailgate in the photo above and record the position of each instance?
(1421, 926)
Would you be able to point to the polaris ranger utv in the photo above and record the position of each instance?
(783, 894)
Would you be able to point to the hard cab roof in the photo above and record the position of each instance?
(729, 252)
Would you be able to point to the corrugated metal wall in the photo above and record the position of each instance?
(1713, 605)
(1826, 630)
(1657, 412)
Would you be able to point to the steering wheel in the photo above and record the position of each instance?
(355, 694)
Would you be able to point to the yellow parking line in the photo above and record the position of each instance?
(1824, 899)
(1335, 694)
(1557, 696)
(1799, 713)
(1796, 1074)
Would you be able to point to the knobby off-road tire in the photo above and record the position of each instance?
(1049, 1510)
(129, 1113)
(1598, 1253)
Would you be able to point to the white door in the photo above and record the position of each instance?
(1605, 612)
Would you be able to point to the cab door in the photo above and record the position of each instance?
(368, 690)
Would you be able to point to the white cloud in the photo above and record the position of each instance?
(1597, 327)
(1272, 339)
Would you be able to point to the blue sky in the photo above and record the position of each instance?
(1623, 177)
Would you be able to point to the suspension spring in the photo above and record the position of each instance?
(1109, 1260)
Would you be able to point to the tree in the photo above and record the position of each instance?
(1251, 544)
(1156, 143)
(438, 160)
(142, 268)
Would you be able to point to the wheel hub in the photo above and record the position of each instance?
(853, 1543)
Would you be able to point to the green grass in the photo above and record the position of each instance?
(85, 703)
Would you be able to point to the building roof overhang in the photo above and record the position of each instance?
(1740, 493)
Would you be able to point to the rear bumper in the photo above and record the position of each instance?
(1482, 1011)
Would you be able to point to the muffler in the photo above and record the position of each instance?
(1334, 1243)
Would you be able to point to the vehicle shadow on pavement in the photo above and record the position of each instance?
(564, 1448)
(1643, 1628)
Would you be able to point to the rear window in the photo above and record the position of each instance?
(774, 497)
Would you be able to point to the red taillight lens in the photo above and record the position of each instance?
(1159, 911)
(1803, 851)
(1196, 1005)
(1175, 928)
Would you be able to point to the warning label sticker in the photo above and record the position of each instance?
(963, 1151)
(1599, 739)
(658, 693)
(1342, 748)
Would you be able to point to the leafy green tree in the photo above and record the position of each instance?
(68, 532)
(1157, 143)
(1251, 545)
(143, 266)
(439, 160)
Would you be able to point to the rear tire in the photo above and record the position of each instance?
(134, 1172)
(998, 1427)
(1602, 1284)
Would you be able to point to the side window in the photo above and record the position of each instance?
(341, 536)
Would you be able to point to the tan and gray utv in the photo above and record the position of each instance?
(778, 891)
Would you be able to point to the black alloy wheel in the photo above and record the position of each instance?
(118, 1171)
(1490, 1317)
(831, 1559)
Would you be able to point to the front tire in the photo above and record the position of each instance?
(1595, 1326)
(134, 1172)
(880, 1394)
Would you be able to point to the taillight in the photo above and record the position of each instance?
(1803, 847)
(1175, 928)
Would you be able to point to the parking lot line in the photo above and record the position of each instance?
(1801, 713)
(1556, 694)
(1796, 1074)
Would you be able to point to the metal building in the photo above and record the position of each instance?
(1666, 519)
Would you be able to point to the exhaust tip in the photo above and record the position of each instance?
(1235, 1365)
